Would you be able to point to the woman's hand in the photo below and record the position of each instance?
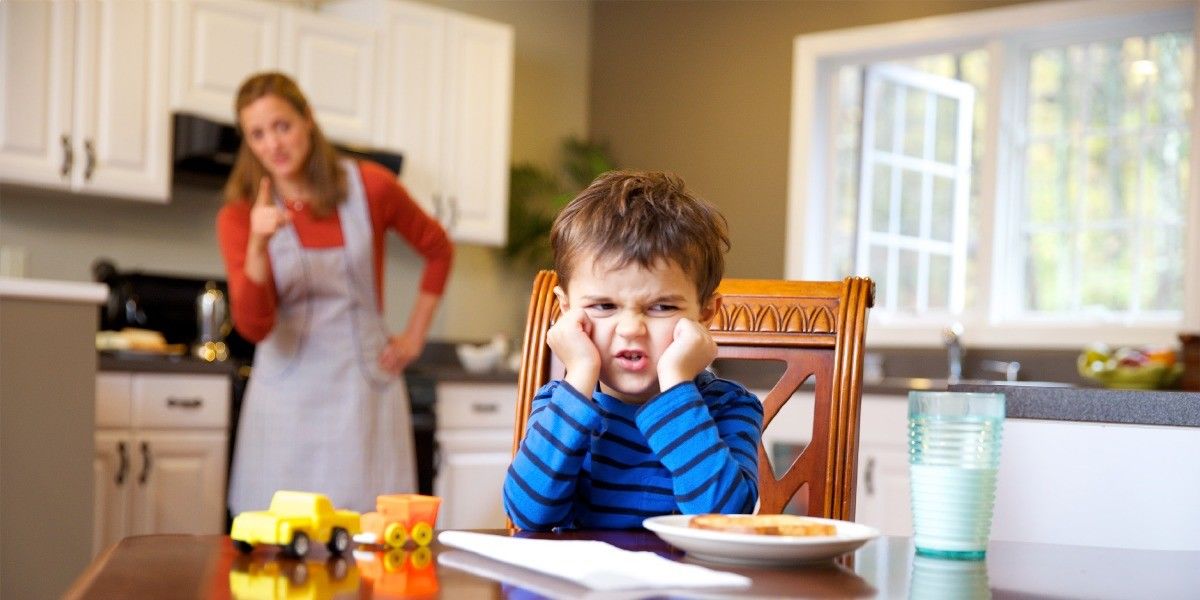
(400, 351)
(571, 340)
(691, 349)
(265, 217)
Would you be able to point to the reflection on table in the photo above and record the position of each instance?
(209, 567)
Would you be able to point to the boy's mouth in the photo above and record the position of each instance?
(632, 360)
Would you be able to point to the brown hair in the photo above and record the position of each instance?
(642, 217)
(326, 177)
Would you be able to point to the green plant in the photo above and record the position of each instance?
(537, 194)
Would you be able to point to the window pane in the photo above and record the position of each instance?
(1106, 267)
(1047, 172)
(1048, 263)
(885, 116)
(881, 198)
(1159, 287)
(915, 104)
(1046, 92)
(906, 298)
(910, 203)
(941, 217)
(946, 138)
(939, 282)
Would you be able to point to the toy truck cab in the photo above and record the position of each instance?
(292, 521)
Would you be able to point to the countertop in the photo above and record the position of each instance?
(1130, 407)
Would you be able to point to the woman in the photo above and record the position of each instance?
(303, 237)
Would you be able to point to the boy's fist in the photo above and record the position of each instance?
(571, 340)
(691, 349)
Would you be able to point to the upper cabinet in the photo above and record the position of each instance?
(83, 90)
(336, 62)
(449, 110)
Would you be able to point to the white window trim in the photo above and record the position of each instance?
(816, 58)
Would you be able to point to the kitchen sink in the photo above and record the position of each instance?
(925, 383)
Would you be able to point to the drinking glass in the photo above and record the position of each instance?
(954, 456)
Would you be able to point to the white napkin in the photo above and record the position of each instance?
(595, 565)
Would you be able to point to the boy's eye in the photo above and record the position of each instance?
(283, 126)
(601, 307)
(663, 308)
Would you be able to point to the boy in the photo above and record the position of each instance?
(638, 427)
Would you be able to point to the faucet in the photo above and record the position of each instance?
(954, 351)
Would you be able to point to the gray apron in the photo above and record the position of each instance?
(320, 415)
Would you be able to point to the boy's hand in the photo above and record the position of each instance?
(571, 340)
(265, 217)
(691, 349)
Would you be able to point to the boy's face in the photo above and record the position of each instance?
(632, 312)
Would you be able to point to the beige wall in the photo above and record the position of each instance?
(704, 89)
(63, 233)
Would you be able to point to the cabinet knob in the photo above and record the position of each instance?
(68, 155)
(484, 408)
(869, 476)
(453, 213)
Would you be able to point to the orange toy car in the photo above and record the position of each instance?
(397, 573)
(399, 518)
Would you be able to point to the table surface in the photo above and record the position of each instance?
(187, 566)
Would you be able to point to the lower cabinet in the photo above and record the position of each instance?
(161, 454)
(474, 447)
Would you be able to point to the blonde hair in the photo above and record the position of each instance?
(321, 167)
(642, 217)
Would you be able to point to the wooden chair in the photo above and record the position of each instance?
(816, 328)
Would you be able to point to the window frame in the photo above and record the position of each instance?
(1006, 34)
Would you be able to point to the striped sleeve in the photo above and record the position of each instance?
(708, 440)
(539, 489)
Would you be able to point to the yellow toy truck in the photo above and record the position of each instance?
(270, 578)
(293, 521)
(400, 517)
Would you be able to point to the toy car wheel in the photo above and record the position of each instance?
(243, 547)
(337, 567)
(393, 560)
(298, 547)
(339, 541)
(421, 557)
(422, 534)
(394, 535)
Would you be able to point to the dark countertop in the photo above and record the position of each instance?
(142, 362)
(1132, 407)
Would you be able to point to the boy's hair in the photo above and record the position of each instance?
(642, 217)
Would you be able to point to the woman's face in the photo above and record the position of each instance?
(278, 135)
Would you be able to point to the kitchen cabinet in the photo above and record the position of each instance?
(474, 448)
(449, 93)
(881, 497)
(336, 62)
(83, 96)
(161, 454)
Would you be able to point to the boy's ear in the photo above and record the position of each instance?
(562, 298)
(710, 309)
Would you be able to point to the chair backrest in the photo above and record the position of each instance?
(816, 328)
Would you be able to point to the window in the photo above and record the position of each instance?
(1031, 182)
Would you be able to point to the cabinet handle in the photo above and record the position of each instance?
(437, 207)
(122, 463)
(484, 408)
(453, 213)
(173, 402)
(869, 477)
(68, 155)
(89, 166)
(145, 463)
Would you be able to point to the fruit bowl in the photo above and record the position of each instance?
(1147, 376)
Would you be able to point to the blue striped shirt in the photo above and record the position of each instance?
(602, 464)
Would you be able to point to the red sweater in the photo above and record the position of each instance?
(391, 207)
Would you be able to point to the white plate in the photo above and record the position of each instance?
(749, 548)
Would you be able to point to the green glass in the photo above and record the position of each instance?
(954, 457)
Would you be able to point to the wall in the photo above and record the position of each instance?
(62, 233)
(704, 89)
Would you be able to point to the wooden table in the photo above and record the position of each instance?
(183, 566)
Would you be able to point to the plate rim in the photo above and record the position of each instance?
(667, 523)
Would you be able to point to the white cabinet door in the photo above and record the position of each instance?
(179, 482)
(36, 86)
(476, 125)
(111, 484)
(216, 45)
(121, 116)
(470, 477)
(337, 65)
(83, 96)
(882, 496)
